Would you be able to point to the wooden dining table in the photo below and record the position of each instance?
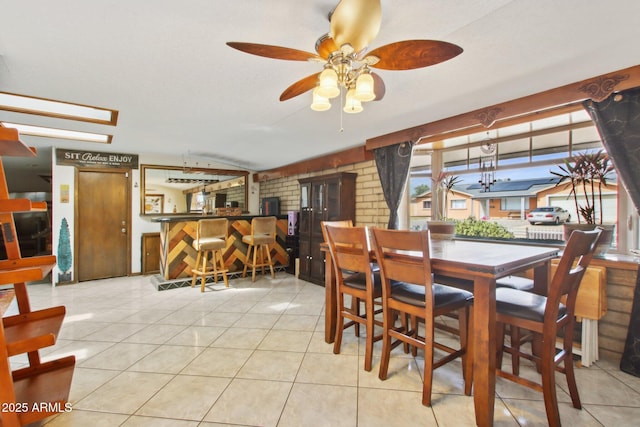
(481, 262)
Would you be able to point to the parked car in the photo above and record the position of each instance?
(548, 215)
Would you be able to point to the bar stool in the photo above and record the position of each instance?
(263, 234)
(211, 238)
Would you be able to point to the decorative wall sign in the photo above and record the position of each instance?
(64, 193)
(96, 159)
(154, 203)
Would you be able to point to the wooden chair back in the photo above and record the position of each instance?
(403, 256)
(340, 223)
(572, 266)
(349, 249)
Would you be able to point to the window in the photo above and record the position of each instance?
(426, 204)
(459, 204)
(510, 203)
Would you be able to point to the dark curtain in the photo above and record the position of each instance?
(630, 362)
(188, 197)
(392, 162)
(618, 121)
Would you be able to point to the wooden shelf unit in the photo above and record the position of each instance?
(40, 389)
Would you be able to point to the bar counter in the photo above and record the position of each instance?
(178, 256)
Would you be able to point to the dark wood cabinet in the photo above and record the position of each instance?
(322, 198)
(150, 253)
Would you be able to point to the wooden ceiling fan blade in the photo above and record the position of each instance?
(325, 46)
(356, 22)
(275, 52)
(410, 54)
(378, 87)
(300, 87)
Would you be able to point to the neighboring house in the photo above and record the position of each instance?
(459, 204)
(511, 199)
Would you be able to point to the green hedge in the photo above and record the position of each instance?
(477, 228)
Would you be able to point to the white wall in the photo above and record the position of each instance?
(62, 176)
(65, 175)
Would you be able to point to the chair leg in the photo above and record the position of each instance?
(515, 344)
(549, 385)
(214, 263)
(337, 340)
(355, 309)
(253, 267)
(568, 366)
(195, 276)
(467, 360)
(405, 324)
(414, 327)
(246, 261)
(387, 324)
(273, 274)
(222, 268)
(203, 277)
(370, 325)
(428, 362)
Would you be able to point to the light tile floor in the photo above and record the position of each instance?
(254, 355)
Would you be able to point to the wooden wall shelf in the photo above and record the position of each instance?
(40, 389)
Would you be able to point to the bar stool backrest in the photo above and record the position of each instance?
(213, 228)
(264, 226)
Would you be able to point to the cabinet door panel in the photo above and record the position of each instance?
(318, 207)
(305, 254)
(305, 209)
(317, 262)
(333, 208)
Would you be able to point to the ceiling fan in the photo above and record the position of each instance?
(353, 26)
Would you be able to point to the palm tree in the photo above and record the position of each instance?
(586, 173)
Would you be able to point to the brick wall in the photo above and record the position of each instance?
(371, 209)
(612, 328)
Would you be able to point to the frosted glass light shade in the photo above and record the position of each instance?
(352, 105)
(364, 88)
(320, 103)
(328, 87)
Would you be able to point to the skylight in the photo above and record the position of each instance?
(64, 110)
(60, 133)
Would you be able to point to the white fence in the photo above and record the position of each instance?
(540, 233)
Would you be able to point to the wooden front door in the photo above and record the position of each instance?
(102, 229)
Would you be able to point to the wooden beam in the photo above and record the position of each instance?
(516, 111)
(330, 161)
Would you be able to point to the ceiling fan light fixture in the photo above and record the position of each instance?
(320, 103)
(352, 105)
(364, 87)
(328, 87)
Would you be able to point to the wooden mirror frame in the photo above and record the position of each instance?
(199, 173)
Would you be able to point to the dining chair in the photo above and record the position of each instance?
(263, 234)
(349, 249)
(547, 316)
(408, 291)
(355, 302)
(211, 239)
(517, 335)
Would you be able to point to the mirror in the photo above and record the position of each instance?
(168, 190)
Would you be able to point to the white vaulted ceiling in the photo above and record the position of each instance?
(180, 90)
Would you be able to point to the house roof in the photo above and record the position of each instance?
(515, 188)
